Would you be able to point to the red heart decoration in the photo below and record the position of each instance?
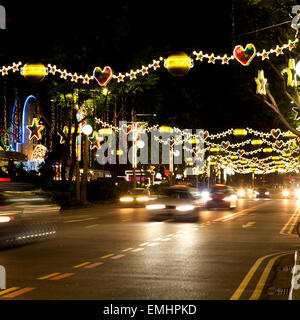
(206, 135)
(275, 133)
(242, 152)
(255, 159)
(103, 76)
(244, 56)
(225, 145)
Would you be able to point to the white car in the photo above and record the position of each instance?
(178, 202)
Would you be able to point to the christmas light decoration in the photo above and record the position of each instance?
(39, 153)
(291, 73)
(35, 129)
(240, 132)
(261, 82)
(34, 72)
(103, 76)
(95, 141)
(244, 55)
(178, 64)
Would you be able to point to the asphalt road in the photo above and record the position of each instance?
(111, 253)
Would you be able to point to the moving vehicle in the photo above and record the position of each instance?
(220, 196)
(26, 217)
(262, 193)
(136, 196)
(181, 203)
(290, 193)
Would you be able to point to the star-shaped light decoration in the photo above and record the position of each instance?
(211, 58)
(86, 79)
(52, 69)
(120, 77)
(225, 59)
(291, 73)
(265, 54)
(144, 70)
(132, 74)
(64, 74)
(297, 116)
(291, 45)
(156, 64)
(74, 77)
(95, 141)
(278, 50)
(261, 82)
(35, 129)
(199, 56)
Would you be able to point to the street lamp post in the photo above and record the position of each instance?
(87, 130)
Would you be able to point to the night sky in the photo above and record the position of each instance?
(34, 28)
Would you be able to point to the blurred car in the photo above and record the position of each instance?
(26, 217)
(262, 193)
(245, 193)
(180, 203)
(290, 193)
(220, 196)
(136, 196)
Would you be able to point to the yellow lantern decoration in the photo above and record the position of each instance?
(179, 64)
(214, 149)
(256, 142)
(267, 150)
(240, 132)
(34, 72)
(165, 129)
(105, 131)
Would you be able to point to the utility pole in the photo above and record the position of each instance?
(134, 150)
(85, 168)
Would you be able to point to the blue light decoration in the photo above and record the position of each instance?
(13, 147)
(23, 128)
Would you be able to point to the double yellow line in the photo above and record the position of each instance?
(263, 278)
(291, 222)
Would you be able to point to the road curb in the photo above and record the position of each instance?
(295, 283)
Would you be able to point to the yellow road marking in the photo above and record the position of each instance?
(18, 292)
(107, 256)
(48, 276)
(62, 276)
(233, 215)
(8, 290)
(81, 265)
(263, 279)
(295, 217)
(239, 291)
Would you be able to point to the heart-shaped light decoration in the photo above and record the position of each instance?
(244, 55)
(242, 152)
(275, 133)
(103, 76)
(278, 143)
(206, 135)
(225, 145)
(255, 159)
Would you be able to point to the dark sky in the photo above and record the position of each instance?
(34, 28)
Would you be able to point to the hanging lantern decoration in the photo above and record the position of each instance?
(34, 72)
(240, 132)
(179, 64)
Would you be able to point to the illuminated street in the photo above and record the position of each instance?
(116, 253)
